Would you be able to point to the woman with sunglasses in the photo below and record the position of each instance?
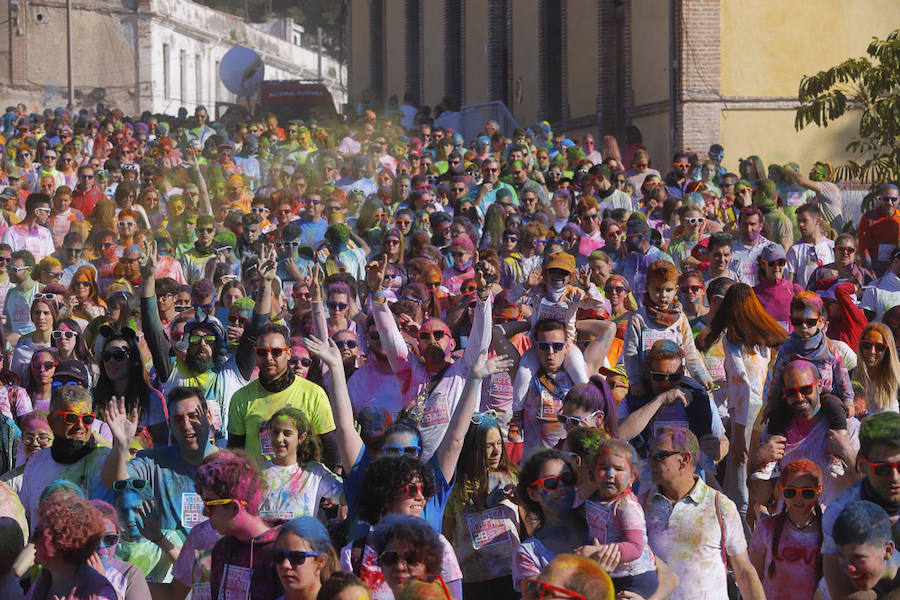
(785, 548)
(296, 480)
(482, 519)
(44, 316)
(39, 377)
(878, 369)
(127, 578)
(124, 374)
(691, 289)
(83, 302)
(547, 485)
(69, 342)
(303, 557)
(774, 290)
(408, 550)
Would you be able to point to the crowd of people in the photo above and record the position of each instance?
(371, 359)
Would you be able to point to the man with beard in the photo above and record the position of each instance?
(277, 387)
(485, 193)
(430, 386)
(193, 262)
(74, 454)
(641, 255)
(313, 225)
(207, 363)
(170, 470)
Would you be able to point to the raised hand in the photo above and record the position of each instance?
(375, 274)
(122, 427)
(326, 351)
(584, 276)
(312, 283)
(149, 259)
(484, 367)
(534, 278)
(267, 262)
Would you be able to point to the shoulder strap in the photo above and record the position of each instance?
(357, 549)
(721, 526)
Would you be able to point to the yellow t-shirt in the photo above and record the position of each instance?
(252, 406)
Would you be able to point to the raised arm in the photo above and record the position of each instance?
(636, 422)
(392, 341)
(244, 356)
(349, 441)
(123, 430)
(205, 205)
(480, 336)
(596, 351)
(451, 446)
(154, 332)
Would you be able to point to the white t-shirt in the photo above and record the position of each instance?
(804, 258)
(882, 295)
(295, 491)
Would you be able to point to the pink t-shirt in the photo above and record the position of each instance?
(797, 565)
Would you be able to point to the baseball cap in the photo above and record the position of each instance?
(560, 260)
(773, 252)
(72, 369)
(8, 192)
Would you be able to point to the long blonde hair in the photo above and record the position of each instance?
(882, 383)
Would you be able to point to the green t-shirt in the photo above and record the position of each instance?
(252, 406)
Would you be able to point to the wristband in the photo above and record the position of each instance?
(378, 294)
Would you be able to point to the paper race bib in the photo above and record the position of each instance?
(716, 367)
(215, 412)
(235, 583)
(501, 385)
(487, 528)
(191, 510)
(598, 515)
(657, 425)
(201, 591)
(436, 412)
(276, 516)
(265, 444)
(551, 310)
(748, 269)
(549, 406)
(651, 336)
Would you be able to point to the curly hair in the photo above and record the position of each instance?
(74, 525)
(231, 475)
(340, 581)
(416, 532)
(311, 447)
(531, 471)
(384, 477)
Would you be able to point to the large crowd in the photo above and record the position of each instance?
(367, 358)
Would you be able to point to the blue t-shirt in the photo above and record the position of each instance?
(434, 506)
(313, 232)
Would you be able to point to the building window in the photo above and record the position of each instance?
(498, 50)
(198, 75)
(551, 49)
(182, 69)
(414, 48)
(453, 49)
(167, 91)
(376, 85)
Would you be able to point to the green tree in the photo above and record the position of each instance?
(871, 85)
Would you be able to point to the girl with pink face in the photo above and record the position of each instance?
(127, 578)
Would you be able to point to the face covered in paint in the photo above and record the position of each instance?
(131, 505)
(554, 489)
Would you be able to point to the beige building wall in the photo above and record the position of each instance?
(360, 44)
(476, 69)
(395, 48)
(655, 128)
(432, 52)
(649, 51)
(582, 58)
(526, 60)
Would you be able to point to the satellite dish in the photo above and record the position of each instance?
(241, 71)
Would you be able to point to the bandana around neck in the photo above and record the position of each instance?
(280, 383)
(662, 315)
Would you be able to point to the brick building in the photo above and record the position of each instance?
(687, 73)
(155, 55)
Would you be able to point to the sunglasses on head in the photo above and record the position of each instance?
(803, 390)
(671, 377)
(436, 335)
(70, 418)
(547, 346)
(789, 491)
(412, 491)
(295, 557)
(552, 482)
(263, 351)
(812, 322)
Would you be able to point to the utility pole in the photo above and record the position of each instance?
(319, 51)
(71, 93)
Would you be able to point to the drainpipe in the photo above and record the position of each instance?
(673, 63)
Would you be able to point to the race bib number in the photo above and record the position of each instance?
(651, 336)
(215, 412)
(501, 386)
(21, 314)
(748, 269)
(657, 425)
(201, 591)
(437, 411)
(884, 252)
(276, 516)
(551, 310)
(549, 406)
(265, 444)
(487, 528)
(598, 515)
(191, 510)
(716, 367)
(235, 584)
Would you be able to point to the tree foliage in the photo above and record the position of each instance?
(873, 86)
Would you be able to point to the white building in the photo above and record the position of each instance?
(153, 55)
